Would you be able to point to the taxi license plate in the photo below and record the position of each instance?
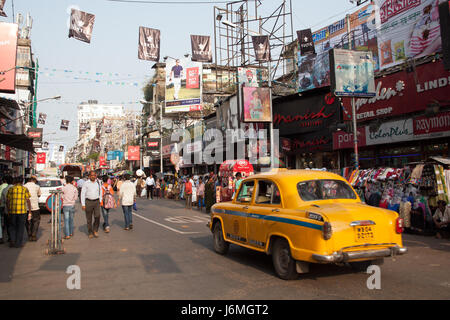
(364, 233)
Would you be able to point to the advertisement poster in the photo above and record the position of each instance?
(306, 42)
(409, 29)
(133, 153)
(183, 85)
(2, 10)
(314, 69)
(149, 44)
(41, 157)
(257, 105)
(261, 44)
(81, 25)
(42, 118)
(8, 52)
(64, 125)
(201, 48)
(352, 73)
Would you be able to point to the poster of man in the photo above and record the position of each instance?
(64, 125)
(61, 148)
(42, 118)
(183, 85)
(257, 105)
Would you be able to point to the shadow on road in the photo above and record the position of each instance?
(159, 263)
(424, 241)
(60, 262)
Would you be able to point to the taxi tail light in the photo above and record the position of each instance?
(399, 225)
(327, 231)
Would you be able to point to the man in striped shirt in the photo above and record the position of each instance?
(18, 203)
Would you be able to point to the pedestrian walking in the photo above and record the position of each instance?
(188, 193)
(139, 183)
(69, 197)
(90, 201)
(3, 185)
(150, 183)
(107, 202)
(158, 188)
(127, 198)
(9, 184)
(201, 193)
(18, 203)
(35, 193)
(210, 193)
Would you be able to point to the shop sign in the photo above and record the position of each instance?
(344, 140)
(313, 142)
(432, 127)
(391, 132)
(400, 93)
(308, 114)
(133, 153)
(153, 144)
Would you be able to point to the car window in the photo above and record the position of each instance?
(49, 183)
(268, 193)
(246, 191)
(324, 190)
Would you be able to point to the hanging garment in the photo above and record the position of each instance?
(405, 213)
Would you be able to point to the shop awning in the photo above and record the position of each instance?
(442, 160)
(9, 103)
(18, 141)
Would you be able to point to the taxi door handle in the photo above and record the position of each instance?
(275, 210)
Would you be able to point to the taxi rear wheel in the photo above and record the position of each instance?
(284, 264)
(220, 245)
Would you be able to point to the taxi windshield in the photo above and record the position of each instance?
(324, 190)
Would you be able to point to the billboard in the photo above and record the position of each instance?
(81, 25)
(36, 135)
(201, 48)
(352, 73)
(8, 53)
(183, 86)
(257, 106)
(149, 44)
(408, 29)
(133, 153)
(41, 157)
(314, 69)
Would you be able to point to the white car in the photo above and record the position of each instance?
(48, 184)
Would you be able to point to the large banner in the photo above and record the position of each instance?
(81, 25)
(41, 157)
(183, 86)
(8, 52)
(305, 41)
(36, 135)
(201, 48)
(261, 45)
(257, 105)
(134, 153)
(352, 73)
(409, 29)
(314, 69)
(149, 44)
(2, 12)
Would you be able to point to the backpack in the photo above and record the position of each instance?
(108, 199)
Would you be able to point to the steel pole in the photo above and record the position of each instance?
(355, 129)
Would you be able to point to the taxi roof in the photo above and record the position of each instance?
(297, 174)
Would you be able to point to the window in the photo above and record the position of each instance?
(268, 193)
(246, 191)
(49, 183)
(324, 190)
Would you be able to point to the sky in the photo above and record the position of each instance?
(114, 47)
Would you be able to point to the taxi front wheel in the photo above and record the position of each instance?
(220, 245)
(284, 264)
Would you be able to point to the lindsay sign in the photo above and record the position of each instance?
(400, 93)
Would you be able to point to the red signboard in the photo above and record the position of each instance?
(432, 124)
(8, 52)
(403, 92)
(192, 78)
(41, 157)
(344, 140)
(102, 161)
(133, 153)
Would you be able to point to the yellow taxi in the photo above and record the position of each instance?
(305, 216)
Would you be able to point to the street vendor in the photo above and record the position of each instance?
(441, 219)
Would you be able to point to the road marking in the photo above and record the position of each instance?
(185, 219)
(164, 226)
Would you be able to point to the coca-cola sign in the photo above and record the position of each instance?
(403, 92)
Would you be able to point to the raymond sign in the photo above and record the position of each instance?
(133, 153)
(400, 93)
(432, 127)
(8, 52)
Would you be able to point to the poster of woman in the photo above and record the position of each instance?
(257, 105)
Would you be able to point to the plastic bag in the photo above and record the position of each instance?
(135, 207)
(144, 192)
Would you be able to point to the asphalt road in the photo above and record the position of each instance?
(169, 255)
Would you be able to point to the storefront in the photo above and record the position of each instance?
(305, 129)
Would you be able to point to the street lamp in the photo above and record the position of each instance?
(269, 67)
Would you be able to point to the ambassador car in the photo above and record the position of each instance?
(304, 216)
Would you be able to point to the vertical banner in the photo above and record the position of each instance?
(2, 12)
(149, 44)
(81, 25)
(444, 17)
(108, 127)
(183, 86)
(36, 135)
(261, 46)
(257, 105)
(102, 161)
(133, 153)
(45, 145)
(61, 148)
(64, 125)
(42, 118)
(8, 53)
(352, 73)
(201, 48)
(306, 42)
(41, 157)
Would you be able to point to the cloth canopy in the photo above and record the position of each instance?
(18, 141)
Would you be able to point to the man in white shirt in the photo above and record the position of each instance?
(90, 201)
(150, 182)
(35, 193)
(441, 219)
(127, 197)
